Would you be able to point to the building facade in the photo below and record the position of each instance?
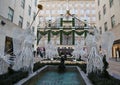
(108, 19)
(67, 19)
(83, 9)
(65, 33)
(20, 13)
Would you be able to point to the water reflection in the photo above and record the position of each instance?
(54, 78)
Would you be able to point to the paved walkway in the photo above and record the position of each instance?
(114, 68)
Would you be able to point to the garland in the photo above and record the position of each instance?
(64, 32)
(42, 33)
(79, 33)
(55, 33)
(67, 33)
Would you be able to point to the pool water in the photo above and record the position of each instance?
(51, 76)
(55, 78)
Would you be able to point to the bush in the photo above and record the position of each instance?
(105, 73)
(103, 78)
(11, 78)
(98, 79)
(37, 66)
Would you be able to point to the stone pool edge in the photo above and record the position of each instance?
(84, 76)
(30, 76)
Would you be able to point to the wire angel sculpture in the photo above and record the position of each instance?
(24, 57)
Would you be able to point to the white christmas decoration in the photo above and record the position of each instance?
(107, 40)
(94, 61)
(79, 50)
(24, 57)
(90, 41)
(76, 52)
(3, 64)
(51, 50)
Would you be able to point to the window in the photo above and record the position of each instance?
(34, 14)
(23, 4)
(87, 5)
(52, 12)
(119, 2)
(93, 18)
(20, 21)
(93, 5)
(82, 11)
(29, 10)
(48, 5)
(76, 5)
(99, 14)
(81, 4)
(100, 30)
(105, 26)
(87, 11)
(104, 9)
(53, 5)
(11, 14)
(42, 12)
(53, 18)
(98, 2)
(35, 1)
(47, 11)
(9, 46)
(113, 21)
(28, 24)
(76, 11)
(111, 2)
(87, 18)
(33, 29)
(82, 18)
(93, 11)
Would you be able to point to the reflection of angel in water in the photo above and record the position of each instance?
(25, 57)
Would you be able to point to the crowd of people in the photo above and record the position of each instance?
(41, 52)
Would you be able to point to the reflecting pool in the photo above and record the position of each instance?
(51, 76)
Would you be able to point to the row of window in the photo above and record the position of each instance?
(29, 8)
(104, 9)
(110, 2)
(23, 3)
(74, 11)
(106, 25)
(42, 19)
(20, 23)
(71, 5)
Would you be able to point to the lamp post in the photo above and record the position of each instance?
(40, 7)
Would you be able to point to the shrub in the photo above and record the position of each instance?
(105, 73)
(37, 66)
(11, 78)
(98, 79)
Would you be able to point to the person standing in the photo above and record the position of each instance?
(119, 53)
